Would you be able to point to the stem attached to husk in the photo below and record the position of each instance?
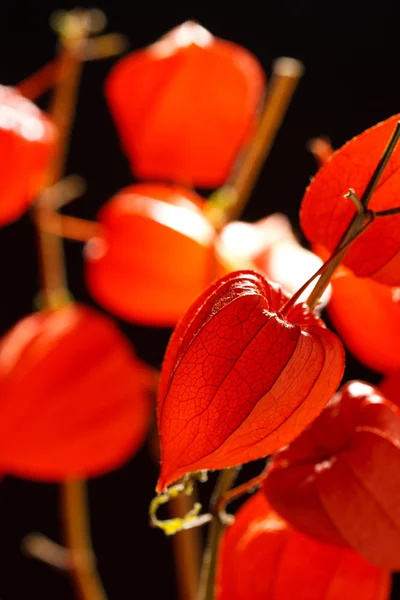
(218, 524)
(358, 223)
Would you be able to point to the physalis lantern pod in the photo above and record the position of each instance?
(340, 480)
(154, 256)
(325, 214)
(366, 315)
(240, 378)
(73, 397)
(27, 139)
(390, 387)
(263, 557)
(185, 106)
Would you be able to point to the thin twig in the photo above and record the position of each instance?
(72, 228)
(359, 222)
(78, 542)
(62, 111)
(73, 33)
(237, 492)
(231, 200)
(210, 558)
(187, 549)
(377, 174)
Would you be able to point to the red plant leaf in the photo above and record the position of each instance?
(155, 255)
(339, 481)
(239, 379)
(263, 557)
(27, 139)
(73, 398)
(325, 214)
(173, 126)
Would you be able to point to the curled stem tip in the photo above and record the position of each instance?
(192, 519)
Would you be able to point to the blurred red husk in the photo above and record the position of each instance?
(240, 379)
(366, 315)
(27, 140)
(325, 214)
(390, 387)
(185, 106)
(74, 398)
(263, 557)
(156, 255)
(340, 480)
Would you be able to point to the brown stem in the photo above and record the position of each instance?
(210, 558)
(235, 195)
(329, 267)
(62, 111)
(72, 228)
(358, 226)
(285, 77)
(54, 71)
(39, 546)
(377, 174)
(237, 492)
(186, 543)
(73, 34)
(41, 80)
(187, 549)
(359, 222)
(77, 540)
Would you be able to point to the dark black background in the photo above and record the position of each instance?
(352, 80)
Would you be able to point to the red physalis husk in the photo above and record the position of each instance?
(185, 106)
(340, 480)
(390, 387)
(240, 379)
(325, 214)
(270, 246)
(154, 256)
(358, 301)
(74, 398)
(263, 557)
(27, 140)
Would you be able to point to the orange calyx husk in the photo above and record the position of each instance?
(366, 315)
(390, 387)
(339, 481)
(185, 106)
(27, 141)
(325, 214)
(155, 257)
(239, 379)
(263, 557)
(74, 398)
